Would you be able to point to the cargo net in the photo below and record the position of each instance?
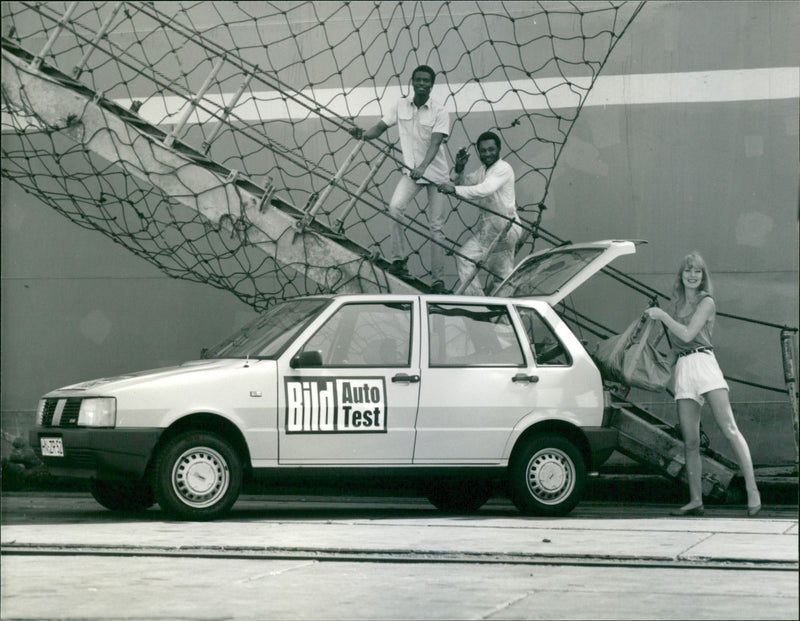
(261, 95)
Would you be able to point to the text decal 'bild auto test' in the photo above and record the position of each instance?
(334, 405)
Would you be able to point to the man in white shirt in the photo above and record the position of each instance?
(422, 124)
(491, 187)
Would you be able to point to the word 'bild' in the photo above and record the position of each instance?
(332, 405)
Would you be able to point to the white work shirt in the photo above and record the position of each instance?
(415, 127)
(492, 188)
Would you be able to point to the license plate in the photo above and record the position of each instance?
(52, 447)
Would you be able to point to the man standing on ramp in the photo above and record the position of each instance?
(492, 187)
(423, 124)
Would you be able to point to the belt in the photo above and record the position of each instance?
(696, 350)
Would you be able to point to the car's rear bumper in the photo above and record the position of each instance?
(602, 442)
(98, 453)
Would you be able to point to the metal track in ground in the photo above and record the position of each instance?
(398, 556)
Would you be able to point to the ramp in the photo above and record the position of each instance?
(215, 193)
(653, 442)
(228, 160)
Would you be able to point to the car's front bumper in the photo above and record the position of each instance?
(98, 453)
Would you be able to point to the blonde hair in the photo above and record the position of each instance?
(693, 259)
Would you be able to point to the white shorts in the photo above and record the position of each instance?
(697, 374)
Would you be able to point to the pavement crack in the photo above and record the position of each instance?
(684, 556)
(506, 605)
(277, 572)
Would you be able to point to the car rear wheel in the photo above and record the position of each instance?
(198, 476)
(460, 496)
(122, 495)
(547, 476)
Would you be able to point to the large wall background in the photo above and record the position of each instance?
(681, 166)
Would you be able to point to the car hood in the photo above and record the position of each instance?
(110, 384)
(551, 275)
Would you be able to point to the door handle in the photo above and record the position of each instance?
(404, 377)
(521, 377)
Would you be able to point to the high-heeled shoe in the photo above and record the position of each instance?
(753, 511)
(683, 511)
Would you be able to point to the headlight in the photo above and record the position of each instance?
(98, 412)
(40, 413)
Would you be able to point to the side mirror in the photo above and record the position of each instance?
(311, 358)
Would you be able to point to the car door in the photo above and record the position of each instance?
(348, 394)
(489, 370)
(477, 382)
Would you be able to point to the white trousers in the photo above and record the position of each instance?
(500, 259)
(404, 193)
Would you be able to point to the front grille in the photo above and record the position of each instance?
(69, 417)
(69, 413)
(49, 410)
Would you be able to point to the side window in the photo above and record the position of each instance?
(481, 335)
(365, 335)
(547, 349)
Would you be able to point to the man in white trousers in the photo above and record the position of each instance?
(492, 187)
(422, 124)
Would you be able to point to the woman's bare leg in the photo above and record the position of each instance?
(723, 414)
(689, 415)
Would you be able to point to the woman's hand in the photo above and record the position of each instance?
(655, 313)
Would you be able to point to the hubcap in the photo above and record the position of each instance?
(551, 476)
(200, 477)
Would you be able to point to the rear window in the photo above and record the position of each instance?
(546, 274)
(547, 349)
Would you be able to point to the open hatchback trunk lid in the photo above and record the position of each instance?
(551, 275)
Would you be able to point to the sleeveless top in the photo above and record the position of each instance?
(703, 337)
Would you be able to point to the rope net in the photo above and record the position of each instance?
(254, 101)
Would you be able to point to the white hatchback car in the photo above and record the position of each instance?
(456, 397)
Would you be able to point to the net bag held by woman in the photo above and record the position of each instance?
(631, 358)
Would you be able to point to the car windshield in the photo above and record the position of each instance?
(270, 333)
(546, 274)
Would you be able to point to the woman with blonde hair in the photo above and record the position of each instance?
(698, 379)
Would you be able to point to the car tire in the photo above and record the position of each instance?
(547, 476)
(197, 476)
(460, 496)
(123, 496)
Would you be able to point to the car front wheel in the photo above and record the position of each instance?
(198, 476)
(547, 476)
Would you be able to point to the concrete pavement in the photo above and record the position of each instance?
(303, 557)
(291, 528)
